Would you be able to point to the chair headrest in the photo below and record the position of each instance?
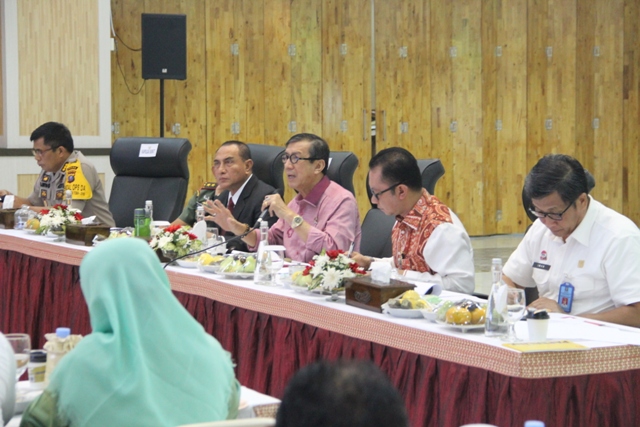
(267, 164)
(170, 159)
(342, 166)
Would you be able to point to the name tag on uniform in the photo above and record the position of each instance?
(541, 266)
(565, 296)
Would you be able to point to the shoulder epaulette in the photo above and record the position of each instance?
(209, 186)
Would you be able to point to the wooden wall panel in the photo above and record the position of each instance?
(442, 110)
(346, 86)
(264, 89)
(631, 111)
(59, 80)
(2, 128)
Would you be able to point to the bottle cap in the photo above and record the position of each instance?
(63, 332)
(138, 212)
(38, 356)
(148, 202)
(496, 260)
(533, 423)
(539, 314)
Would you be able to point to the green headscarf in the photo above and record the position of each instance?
(147, 361)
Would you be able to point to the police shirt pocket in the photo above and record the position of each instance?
(541, 278)
(583, 283)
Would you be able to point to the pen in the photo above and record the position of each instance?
(350, 248)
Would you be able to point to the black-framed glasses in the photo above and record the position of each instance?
(37, 152)
(294, 158)
(552, 216)
(379, 193)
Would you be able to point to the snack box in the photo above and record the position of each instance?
(7, 218)
(364, 292)
(81, 234)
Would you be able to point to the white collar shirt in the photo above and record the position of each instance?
(236, 196)
(600, 259)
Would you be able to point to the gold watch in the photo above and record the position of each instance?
(297, 221)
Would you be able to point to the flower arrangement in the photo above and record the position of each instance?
(328, 271)
(175, 238)
(56, 218)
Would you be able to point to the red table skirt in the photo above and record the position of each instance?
(37, 295)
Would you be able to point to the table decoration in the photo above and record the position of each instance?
(175, 241)
(328, 270)
(56, 218)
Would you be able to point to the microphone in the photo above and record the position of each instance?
(265, 212)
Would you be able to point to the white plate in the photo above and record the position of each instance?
(463, 328)
(405, 313)
(208, 268)
(233, 275)
(317, 292)
(185, 263)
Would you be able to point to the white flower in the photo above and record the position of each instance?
(332, 279)
(163, 241)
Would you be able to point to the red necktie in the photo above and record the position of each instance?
(230, 205)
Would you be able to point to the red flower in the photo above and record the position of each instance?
(44, 211)
(191, 236)
(172, 228)
(59, 206)
(77, 216)
(306, 271)
(334, 253)
(312, 262)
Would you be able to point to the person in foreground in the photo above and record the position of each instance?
(239, 192)
(322, 216)
(341, 394)
(7, 380)
(581, 255)
(147, 362)
(64, 169)
(429, 242)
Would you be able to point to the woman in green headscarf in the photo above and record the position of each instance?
(147, 361)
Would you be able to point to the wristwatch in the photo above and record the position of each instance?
(297, 221)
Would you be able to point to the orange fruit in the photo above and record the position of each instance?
(458, 316)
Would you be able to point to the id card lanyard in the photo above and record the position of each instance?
(565, 295)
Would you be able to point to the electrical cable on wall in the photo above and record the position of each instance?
(117, 37)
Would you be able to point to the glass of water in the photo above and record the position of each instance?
(21, 344)
(516, 307)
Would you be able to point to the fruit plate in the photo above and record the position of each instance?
(405, 313)
(236, 275)
(208, 268)
(463, 328)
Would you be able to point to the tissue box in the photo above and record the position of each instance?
(81, 234)
(364, 292)
(7, 218)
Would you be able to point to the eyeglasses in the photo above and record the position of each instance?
(551, 216)
(379, 193)
(37, 152)
(295, 158)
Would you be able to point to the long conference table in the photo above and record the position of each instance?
(446, 377)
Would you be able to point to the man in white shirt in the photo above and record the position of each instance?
(429, 242)
(581, 255)
(7, 380)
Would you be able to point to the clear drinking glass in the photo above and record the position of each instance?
(21, 344)
(516, 307)
(277, 261)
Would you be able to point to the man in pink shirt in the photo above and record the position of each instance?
(322, 216)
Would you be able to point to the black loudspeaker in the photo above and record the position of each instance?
(164, 46)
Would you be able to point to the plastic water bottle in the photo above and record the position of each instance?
(56, 351)
(200, 213)
(263, 274)
(68, 197)
(141, 223)
(148, 210)
(495, 324)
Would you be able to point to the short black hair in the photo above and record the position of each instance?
(55, 135)
(341, 394)
(398, 166)
(243, 149)
(556, 172)
(319, 148)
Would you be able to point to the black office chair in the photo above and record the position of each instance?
(162, 178)
(431, 171)
(376, 234)
(342, 166)
(267, 164)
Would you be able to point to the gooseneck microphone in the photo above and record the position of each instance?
(265, 213)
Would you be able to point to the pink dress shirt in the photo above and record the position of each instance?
(333, 215)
